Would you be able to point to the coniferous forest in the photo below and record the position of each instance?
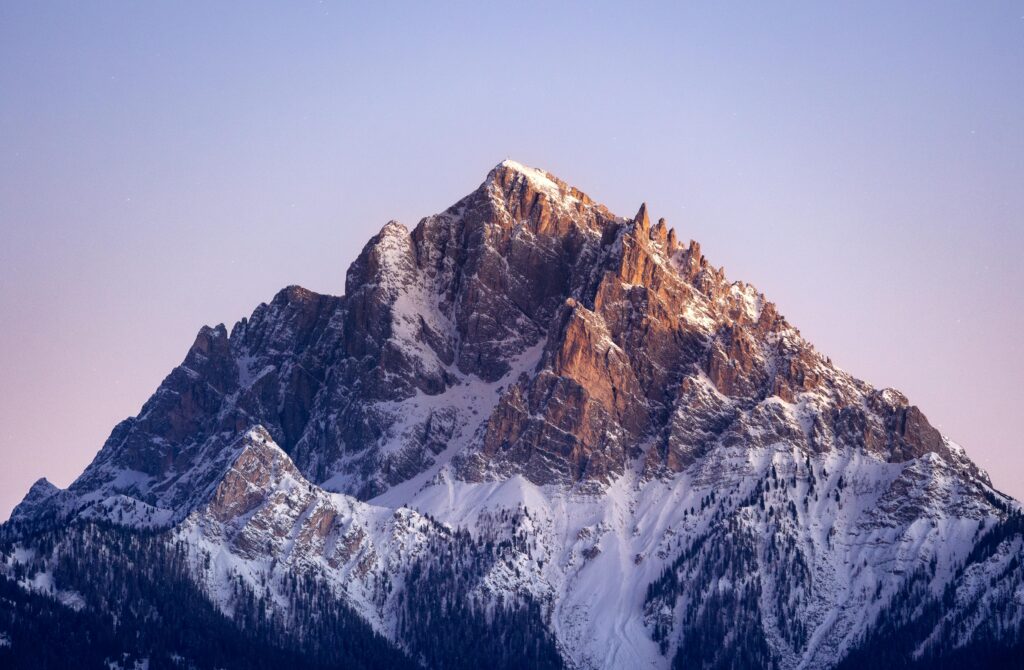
(143, 605)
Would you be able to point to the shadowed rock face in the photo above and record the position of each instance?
(647, 352)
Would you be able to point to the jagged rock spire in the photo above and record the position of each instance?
(642, 219)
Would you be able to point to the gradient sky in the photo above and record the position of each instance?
(166, 165)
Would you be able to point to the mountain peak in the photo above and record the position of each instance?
(259, 469)
(555, 190)
(541, 177)
(37, 502)
(587, 397)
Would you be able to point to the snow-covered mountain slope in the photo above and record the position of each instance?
(565, 436)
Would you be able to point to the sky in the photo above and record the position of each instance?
(169, 165)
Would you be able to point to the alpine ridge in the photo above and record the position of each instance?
(530, 433)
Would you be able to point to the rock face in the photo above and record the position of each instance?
(528, 355)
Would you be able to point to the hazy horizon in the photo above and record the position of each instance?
(163, 168)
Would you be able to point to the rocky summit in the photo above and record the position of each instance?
(530, 433)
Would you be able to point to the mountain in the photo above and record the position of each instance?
(531, 432)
